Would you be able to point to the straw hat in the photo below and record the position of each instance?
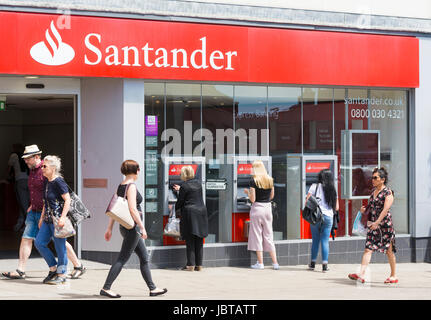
(31, 151)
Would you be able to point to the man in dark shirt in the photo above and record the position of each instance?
(32, 157)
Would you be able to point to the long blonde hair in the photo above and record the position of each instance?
(261, 177)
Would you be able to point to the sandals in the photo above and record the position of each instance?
(389, 280)
(354, 276)
(77, 272)
(9, 275)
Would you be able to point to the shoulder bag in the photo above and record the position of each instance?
(312, 212)
(77, 211)
(118, 209)
(60, 232)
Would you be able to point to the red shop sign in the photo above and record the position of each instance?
(315, 167)
(244, 168)
(175, 169)
(127, 48)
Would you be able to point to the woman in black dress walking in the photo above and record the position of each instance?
(381, 232)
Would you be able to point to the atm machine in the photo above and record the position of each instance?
(234, 203)
(172, 175)
(302, 172)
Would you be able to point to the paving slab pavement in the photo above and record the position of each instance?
(226, 283)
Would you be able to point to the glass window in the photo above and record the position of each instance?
(183, 118)
(153, 168)
(250, 120)
(318, 120)
(225, 122)
(389, 115)
(217, 136)
(285, 130)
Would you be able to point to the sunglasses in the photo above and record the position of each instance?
(44, 166)
(375, 177)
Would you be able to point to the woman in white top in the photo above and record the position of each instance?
(326, 194)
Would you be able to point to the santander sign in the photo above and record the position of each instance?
(149, 56)
(54, 52)
(40, 44)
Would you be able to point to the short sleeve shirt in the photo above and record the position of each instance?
(326, 209)
(262, 195)
(36, 187)
(52, 197)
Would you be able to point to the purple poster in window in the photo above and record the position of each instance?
(151, 126)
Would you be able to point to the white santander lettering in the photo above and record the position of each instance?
(148, 56)
(203, 54)
(93, 48)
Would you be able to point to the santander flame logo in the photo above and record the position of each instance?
(52, 51)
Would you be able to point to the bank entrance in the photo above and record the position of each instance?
(47, 120)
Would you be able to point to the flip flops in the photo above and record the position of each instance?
(9, 275)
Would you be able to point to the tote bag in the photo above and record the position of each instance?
(118, 209)
(172, 228)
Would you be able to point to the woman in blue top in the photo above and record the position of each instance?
(325, 191)
(56, 199)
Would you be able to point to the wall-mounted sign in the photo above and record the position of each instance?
(151, 207)
(216, 184)
(151, 141)
(150, 167)
(168, 50)
(151, 193)
(151, 126)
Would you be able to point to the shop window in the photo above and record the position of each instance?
(285, 136)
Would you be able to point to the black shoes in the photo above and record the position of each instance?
(107, 294)
(312, 265)
(51, 275)
(158, 293)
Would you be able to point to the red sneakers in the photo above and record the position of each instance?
(355, 277)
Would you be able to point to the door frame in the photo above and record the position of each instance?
(12, 85)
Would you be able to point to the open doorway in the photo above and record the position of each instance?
(47, 121)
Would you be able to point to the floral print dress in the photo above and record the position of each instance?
(380, 239)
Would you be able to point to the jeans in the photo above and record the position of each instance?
(320, 233)
(132, 242)
(31, 225)
(44, 236)
(194, 250)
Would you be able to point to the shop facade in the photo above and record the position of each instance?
(219, 96)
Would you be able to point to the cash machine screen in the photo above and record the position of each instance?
(175, 178)
(244, 171)
(312, 169)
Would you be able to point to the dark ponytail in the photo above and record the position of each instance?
(327, 180)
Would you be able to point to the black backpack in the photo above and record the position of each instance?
(312, 212)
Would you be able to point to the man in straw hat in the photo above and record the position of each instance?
(32, 157)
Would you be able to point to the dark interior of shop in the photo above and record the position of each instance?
(47, 121)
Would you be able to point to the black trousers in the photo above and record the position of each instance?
(195, 250)
(132, 242)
